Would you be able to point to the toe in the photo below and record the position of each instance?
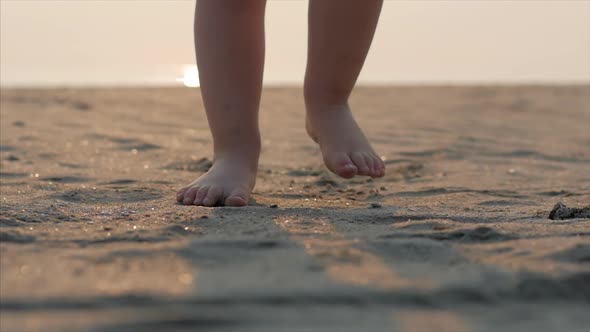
(201, 194)
(346, 167)
(237, 198)
(371, 164)
(189, 196)
(382, 173)
(341, 165)
(360, 162)
(380, 167)
(180, 194)
(347, 171)
(213, 196)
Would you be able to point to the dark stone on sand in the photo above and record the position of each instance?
(375, 205)
(561, 212)
(274, 206)
(16, 237)
(12, 158)
(18, 123)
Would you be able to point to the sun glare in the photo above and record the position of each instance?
(191, 77)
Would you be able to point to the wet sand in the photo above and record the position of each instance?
(456, 237)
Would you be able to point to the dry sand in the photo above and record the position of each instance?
(456, 237)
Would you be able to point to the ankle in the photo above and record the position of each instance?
(237, 143)
(314, 106)
(244, 154)
(321, 110)
(319, 99)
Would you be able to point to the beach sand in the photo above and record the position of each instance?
(456, 237)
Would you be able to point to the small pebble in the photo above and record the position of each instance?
(375, 205)
(274, 206)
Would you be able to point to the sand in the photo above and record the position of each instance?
(456, 236)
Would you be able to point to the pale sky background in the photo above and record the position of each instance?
(118, 42)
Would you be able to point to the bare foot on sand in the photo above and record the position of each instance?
(229, 182)
(344, 147)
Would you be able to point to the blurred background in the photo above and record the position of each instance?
(93, 42)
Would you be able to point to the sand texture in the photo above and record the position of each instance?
(456, 237)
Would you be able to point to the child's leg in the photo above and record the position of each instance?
(340, 33)
(229, 38)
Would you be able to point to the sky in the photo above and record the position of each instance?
(150, 42)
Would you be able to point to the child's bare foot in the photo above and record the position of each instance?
(229, 182)
(344, 147)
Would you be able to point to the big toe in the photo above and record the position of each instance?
(237, 198)
(342, 166)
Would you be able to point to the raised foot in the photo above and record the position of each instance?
(229, 182)
(345, 149)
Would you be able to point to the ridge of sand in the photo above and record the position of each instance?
(456, 237)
